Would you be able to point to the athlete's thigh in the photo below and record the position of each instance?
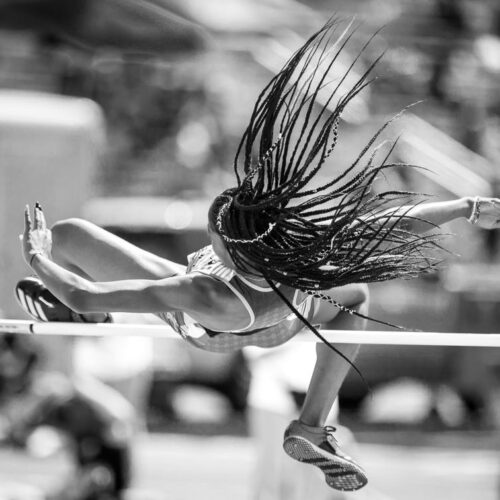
(348, 295)
(103, 256)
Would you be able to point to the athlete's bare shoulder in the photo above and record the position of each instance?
(217, 306)
(211, 291)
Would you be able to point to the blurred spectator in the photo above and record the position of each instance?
(97, 422)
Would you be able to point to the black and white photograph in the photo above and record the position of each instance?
(250, 250)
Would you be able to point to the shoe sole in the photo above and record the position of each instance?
(30, 306)
(340, 474)
(33, 307)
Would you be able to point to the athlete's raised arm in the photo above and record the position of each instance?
(485, 212)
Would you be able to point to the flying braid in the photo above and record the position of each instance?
(276, 223)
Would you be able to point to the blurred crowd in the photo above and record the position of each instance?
(93, 422)
(175, 110)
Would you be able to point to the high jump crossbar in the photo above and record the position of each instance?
(407, 338)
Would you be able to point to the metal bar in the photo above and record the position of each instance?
(335, 336)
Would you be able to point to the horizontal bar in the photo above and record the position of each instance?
(407, 338)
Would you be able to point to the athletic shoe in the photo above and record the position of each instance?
(34, 297)
(318, 446)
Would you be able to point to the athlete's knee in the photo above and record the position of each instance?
(67, 232)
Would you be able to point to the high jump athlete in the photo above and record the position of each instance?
(285, 253)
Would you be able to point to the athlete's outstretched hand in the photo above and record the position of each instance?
(489, 213)
(36, 239)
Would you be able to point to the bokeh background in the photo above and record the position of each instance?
(129, 113)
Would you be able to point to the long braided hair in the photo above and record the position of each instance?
(276, 224)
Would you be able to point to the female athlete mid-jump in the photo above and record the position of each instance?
(286, 253)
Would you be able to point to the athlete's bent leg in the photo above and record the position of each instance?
(330, 369)
(308, 439)
(93, 252)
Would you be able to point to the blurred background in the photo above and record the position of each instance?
(129, 113)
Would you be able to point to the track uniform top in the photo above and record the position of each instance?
(270, 321)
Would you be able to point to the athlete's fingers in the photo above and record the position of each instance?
(38, 218)
(27, 218)
(492, 206)
(44, 220)
(41, 217)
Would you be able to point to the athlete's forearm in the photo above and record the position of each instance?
(84, 296)
(428, 215)
(64, 284)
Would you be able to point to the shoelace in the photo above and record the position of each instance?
(334, 442)
(330, 437)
